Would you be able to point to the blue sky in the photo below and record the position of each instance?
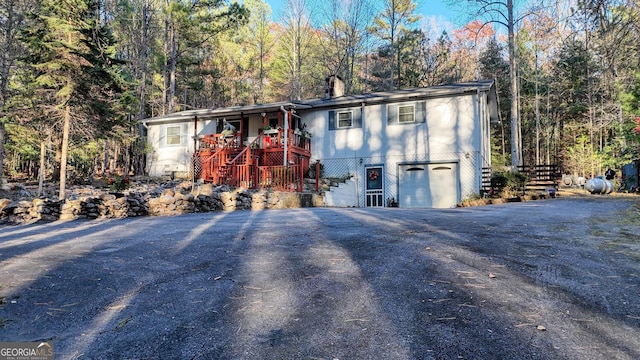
(431, 10)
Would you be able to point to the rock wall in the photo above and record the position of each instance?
(159, 201)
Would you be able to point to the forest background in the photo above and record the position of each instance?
(77, 76)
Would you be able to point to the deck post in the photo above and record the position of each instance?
(301, 174)
(286, 137)
(317, 175)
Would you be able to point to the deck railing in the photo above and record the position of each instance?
(280, 178)
(296, 138)
(259, 164)
(540, 177)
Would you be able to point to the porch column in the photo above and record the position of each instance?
(286, 138)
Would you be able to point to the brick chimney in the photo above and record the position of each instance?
(334, 87)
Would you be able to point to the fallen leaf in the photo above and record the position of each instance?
(123, 322)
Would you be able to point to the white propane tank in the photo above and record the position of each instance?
(599, 186)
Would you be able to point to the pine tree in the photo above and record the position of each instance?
(72, 57)
(390, 25)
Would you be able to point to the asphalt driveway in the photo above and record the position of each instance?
(549, 279)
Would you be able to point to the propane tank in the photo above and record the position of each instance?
(599, 185)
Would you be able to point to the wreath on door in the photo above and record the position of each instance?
(373, 175)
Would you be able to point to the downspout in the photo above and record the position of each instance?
(148, 158)
(286, 135)
(195, 135)
(481, 146)
(195, 150)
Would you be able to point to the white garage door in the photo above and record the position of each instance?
(428, 185)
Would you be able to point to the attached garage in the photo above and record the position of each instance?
(428, 185)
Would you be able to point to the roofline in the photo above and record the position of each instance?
(189, 115)
(345, 100)
(407, 94)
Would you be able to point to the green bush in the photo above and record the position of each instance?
(311, 173)
(116, 182)
(509, 182)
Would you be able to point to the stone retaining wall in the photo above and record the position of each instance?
(175, 200)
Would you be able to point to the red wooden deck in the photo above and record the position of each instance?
(271, 161)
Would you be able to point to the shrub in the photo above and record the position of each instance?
(311, 173)
(508, 183)
(117, 183)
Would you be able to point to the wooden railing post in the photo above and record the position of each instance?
(301, 176)
(317, 175)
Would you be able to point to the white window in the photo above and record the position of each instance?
(173, 135)
(345, 119)
(406, 113)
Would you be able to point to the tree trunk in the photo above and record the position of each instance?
(105, 161)
(392, 29)
(173, 54)
(2, 136)
(41, 173)
(537, 106)
(138, 152)
(64, 151)
(165, 67)
(515, 120)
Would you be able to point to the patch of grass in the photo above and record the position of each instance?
(123, 322)
(630, 237)
(290, 200)
(621, 248)
(631, 216)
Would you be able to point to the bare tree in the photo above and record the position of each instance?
(297, 38)
(503, 12)
(344, 37)
(261, 39)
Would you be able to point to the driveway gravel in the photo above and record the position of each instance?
(548, 279)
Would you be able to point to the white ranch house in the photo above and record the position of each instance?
(413, 148)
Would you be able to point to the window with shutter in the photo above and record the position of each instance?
(345, 119)
(406, 113)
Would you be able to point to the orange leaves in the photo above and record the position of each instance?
(475, 31)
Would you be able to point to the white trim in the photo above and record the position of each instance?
(413, 112)
(338, 126)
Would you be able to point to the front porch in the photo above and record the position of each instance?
(275, 159)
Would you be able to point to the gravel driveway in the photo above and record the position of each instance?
(548, 279)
